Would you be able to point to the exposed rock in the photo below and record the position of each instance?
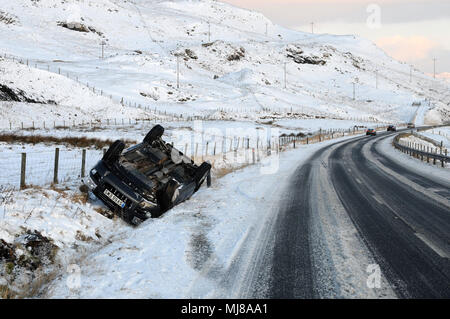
(80, 27)
(237, 55)
(17, 95)
(8, 18)
(296, 54)
(36, 250)
(191, 54)
(6, 251)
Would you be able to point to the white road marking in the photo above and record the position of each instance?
(379, 200)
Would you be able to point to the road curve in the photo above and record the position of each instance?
(402, 217)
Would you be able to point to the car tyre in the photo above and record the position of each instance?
(114, 151)
(156, 132)
(201, 173)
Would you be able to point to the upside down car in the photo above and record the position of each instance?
(145, 180)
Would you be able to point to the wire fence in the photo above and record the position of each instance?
(19, 170)
(215, 113)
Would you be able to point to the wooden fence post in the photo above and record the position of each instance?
(55, 169)
(23, 170)
(83, 163)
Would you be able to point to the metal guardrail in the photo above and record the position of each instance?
(419, 153)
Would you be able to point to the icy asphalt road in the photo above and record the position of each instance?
(402, 217)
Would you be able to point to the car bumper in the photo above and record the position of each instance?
(120, 198)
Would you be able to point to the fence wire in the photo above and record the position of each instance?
(40, 167)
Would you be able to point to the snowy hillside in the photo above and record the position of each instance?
(39, 95)
(231, 60)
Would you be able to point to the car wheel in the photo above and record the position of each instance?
(156, 132)
(114, 151)
(201, 173)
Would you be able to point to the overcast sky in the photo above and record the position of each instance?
(413, 31)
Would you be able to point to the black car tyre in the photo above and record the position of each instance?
(156, 132)
(201, 173)
(114, 151)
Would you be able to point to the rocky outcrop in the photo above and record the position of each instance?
(78, 26)
(297, 54)
(7, 18)
(14, 95)
(237, 55)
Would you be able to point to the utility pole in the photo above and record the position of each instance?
(178, 71)
(376, 79)
(103, 51)
(434, 67)
(312, 27)
(209, 31)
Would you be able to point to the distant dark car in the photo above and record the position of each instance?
(371, 131)
(411, 125)
(145, 180)
(391, 128)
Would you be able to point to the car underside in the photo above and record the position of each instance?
(146, 179)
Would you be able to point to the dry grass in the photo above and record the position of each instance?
(6, 293)
(221, 172)
(80, 142)
(33, 288)
(80, 198)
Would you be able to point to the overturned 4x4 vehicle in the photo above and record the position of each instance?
(145, 180)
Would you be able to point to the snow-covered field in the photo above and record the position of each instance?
(417, 142)
(441, 134)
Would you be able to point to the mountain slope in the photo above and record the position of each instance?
(227, 60)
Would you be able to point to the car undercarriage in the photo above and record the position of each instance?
(145, 180)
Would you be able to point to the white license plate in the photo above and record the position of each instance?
(114, 198)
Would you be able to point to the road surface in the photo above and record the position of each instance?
(401, 216)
